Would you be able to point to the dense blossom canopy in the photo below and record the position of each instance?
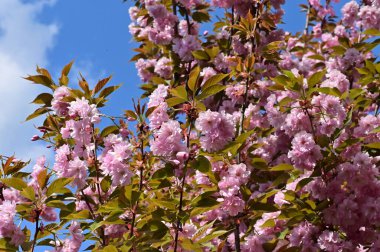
(250, 138)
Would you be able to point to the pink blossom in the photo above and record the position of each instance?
(350, 11)
(114, 162)
(369, 17)
(145, 69)
(37, 169)
(168, 139)
(158, 96)
(305, 153)
(163, 67)
(216, 129)
(183, 47)
(60, 106)
(233, 205)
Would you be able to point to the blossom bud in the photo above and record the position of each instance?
(182, 156)
(124, 132)
(35, 138)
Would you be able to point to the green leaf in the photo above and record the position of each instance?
(212, 235)
(372, 32)
(268, 223)
(29, 193)
(58, 204)
(355, 92)
(316, 78)
(282, 80)
(285, 101)
(205, 201)
(282, 167)
(130, 113)
(109, 248)
(210, 91)
(373, 145)
(44, 98)
(201, 16)
(58, 186)
(174, 101)
(273, 46)
(156, 229)
(259, 163)
(213, 80)
(267, 207)
(317, 57)
(167, 171)
(37, 112)
(201, 164)
(327, 90)
(376, 130)
(15, 183)
(164, 204)
(202, 230)
(213, 51)
(109, 130)
(193, 79)
(303, 182)
(179, 92)
(201, 55)
(82, 215)
(189, 245)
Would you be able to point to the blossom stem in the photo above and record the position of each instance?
(36, 230)
(178, 227)
(232, 29)
(98, 180)
(88, 204)
(96, 165)
(174, 5)
(140, 187)
(306, 29)
(1, 193)
(311, 121)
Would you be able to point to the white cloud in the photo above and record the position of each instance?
(24, 43)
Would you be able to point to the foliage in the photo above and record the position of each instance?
(252, 139)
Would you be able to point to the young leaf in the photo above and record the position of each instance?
(213, 80)
(212, 90)
(193, 78)
(100, 85)
(15, 183)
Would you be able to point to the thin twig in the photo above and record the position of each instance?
(96, 165)
(140, 188)
(179, 224)
(306, 29)
(36, 230)
(88, 204)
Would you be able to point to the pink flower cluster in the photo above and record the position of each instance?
(168, 140)
(229, 186)
(8, 228)
(114, 160)
(216, 129)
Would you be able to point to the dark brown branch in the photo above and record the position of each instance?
(37, 229)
